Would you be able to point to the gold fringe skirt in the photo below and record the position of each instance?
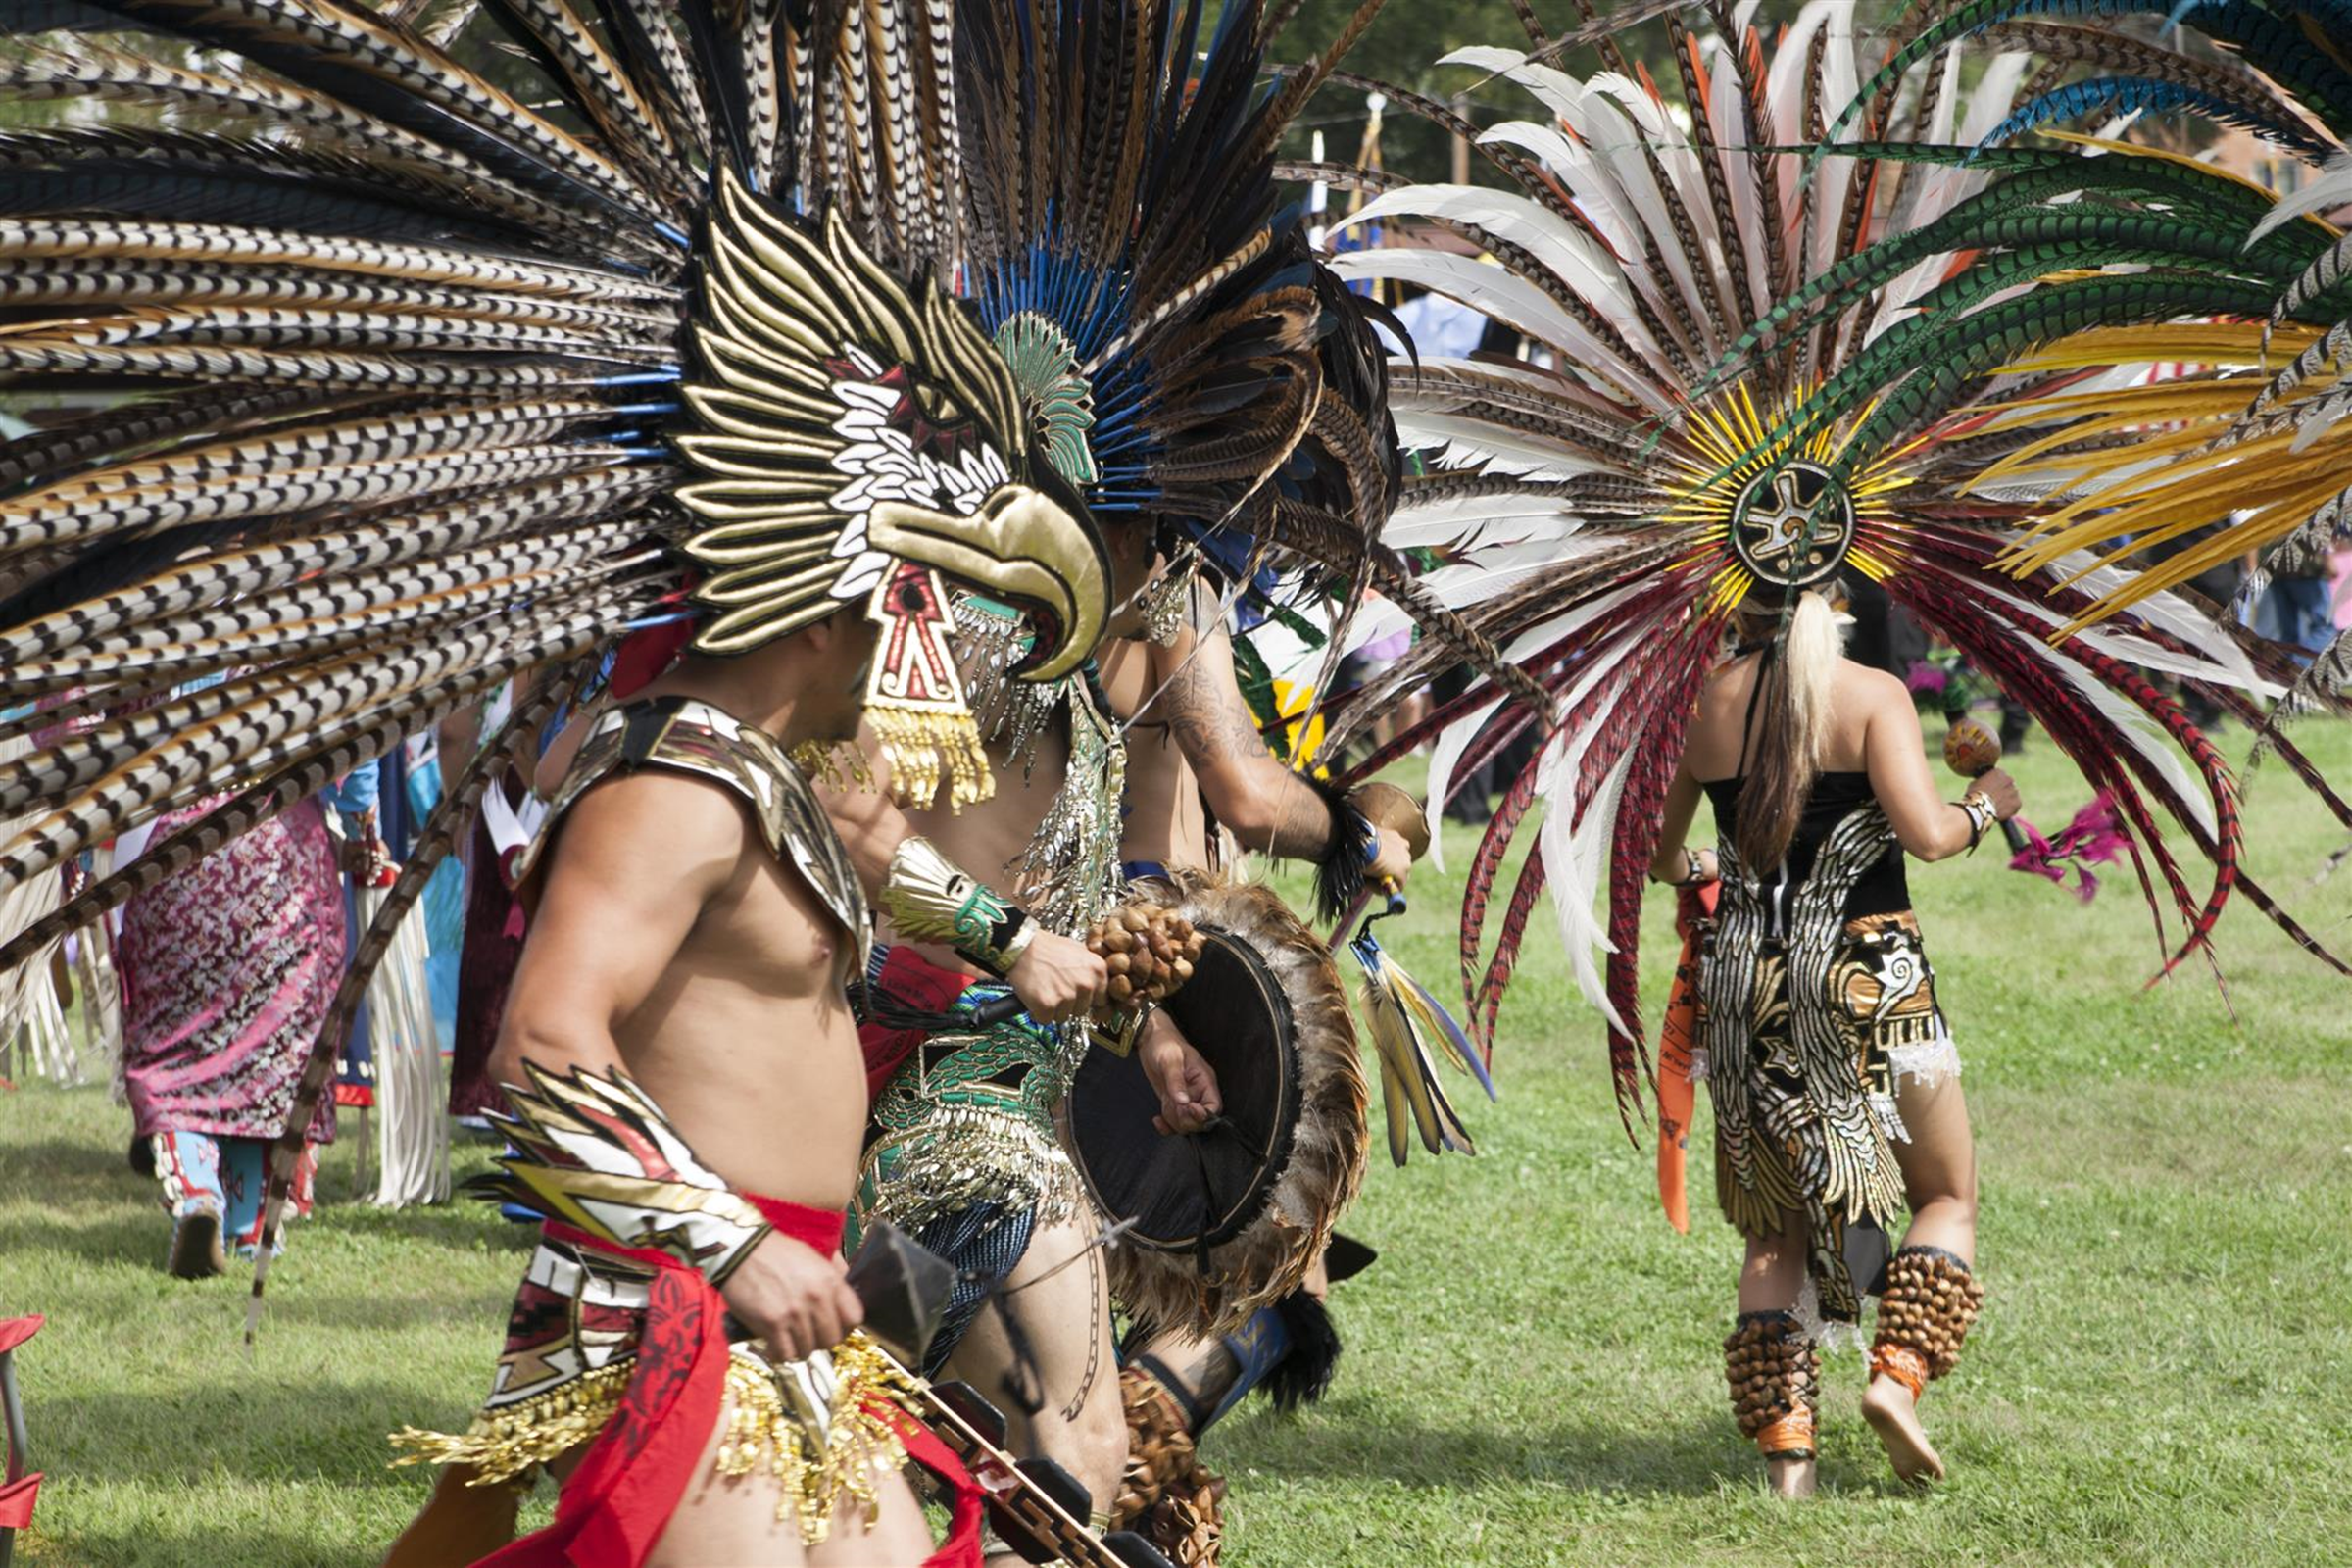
(819, 1451)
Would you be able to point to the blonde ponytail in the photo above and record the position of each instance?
(1793, 683)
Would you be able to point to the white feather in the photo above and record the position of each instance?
(1572, 843)
(1478, 519)
(2137, 730)
(1571, 867)
(1840, 80)
(1602, 170)
(1590, 185)
(1587, 271)
(1511, 300)
(1688, 181)
(2320, 416)
(1732, 138)
(1452, 741)
(1941, 189)
(2331, 190)
(1468, 443)
(2222, 662)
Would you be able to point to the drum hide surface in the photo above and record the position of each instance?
(1227, 1221)
(1202, 1190)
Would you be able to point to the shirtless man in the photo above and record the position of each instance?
(692, 901)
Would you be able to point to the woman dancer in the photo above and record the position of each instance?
(1836, 1083)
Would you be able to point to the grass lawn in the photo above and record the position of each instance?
(1534, 1374)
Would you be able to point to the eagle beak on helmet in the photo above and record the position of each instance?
(1024, 547)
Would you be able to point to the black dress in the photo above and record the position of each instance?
(1815, 997)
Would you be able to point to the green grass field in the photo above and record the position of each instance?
(1532, 1374)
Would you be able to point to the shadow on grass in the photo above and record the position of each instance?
(295, 1428)
(126, 1236)
(92, 1204)
(462, 1222)
(73, 1173)
(231, 1543)
(1353, 1440)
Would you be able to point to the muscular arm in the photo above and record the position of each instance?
(638, 859)
(1268, 806)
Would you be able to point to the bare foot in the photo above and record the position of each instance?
(1893, 1415)
(1790, 1478)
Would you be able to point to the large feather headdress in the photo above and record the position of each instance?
(1605, 508)
(1191, 364)
(2227, 353)
(408, 356)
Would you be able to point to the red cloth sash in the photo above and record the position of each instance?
(621, 1497)
(1678, 1038)
(915, 982)
(17, 1494)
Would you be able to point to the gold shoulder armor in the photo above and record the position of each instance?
(685, 735)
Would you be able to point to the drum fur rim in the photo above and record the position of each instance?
(1271, 1255)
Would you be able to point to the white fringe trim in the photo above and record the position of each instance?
(1826, 1336)
(1926, 1062)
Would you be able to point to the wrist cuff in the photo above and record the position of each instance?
(1354, 844)
(1980, 814)
(928, 897)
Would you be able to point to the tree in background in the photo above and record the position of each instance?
(1403, 45)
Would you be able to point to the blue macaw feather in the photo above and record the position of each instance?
(2269, 35)
(1463, 1052)
(2118, 95)
(1403, 1019)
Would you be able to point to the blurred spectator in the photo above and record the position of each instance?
(2295, 608)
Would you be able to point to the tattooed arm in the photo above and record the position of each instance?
(1266, 805)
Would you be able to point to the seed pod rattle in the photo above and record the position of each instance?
(1972, 750)
(1150, 951)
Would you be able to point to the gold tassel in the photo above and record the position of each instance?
(924, 746)
(506, 1441)
(834, 764)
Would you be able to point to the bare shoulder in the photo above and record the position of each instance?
(1727, 685)
(1871, 689)
(631, 822)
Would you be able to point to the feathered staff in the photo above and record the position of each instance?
(1603, 513)
(1410, 1028)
